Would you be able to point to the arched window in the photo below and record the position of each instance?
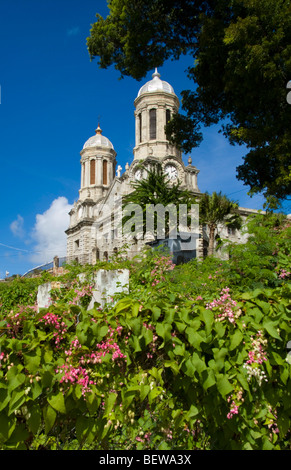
(153, 124)
(140, 127)
(105, 172)
(92, 171)
(105, 255)
(83, 173)
(168, 115)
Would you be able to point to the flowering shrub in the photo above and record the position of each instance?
(168, 366)
(225, 306)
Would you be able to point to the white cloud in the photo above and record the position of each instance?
(49, 232)
(16, 227)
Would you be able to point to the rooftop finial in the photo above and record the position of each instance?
(156, 73)
(98, 130)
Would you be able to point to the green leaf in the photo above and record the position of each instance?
(84, 427)
(278, 359)
(267, 445)
(82, 335)
(271, 328)
(179, 350)
(194, 338)
(47, 378)
(135, 324)
(207, 317)
(257, 314)
(189, 368)
(32, 360)
(7, 426)
(4, 398)
(283, 422)
(194, 411)
(17, 399)
(172, 365)
(164, 330)
(34, 419)
(135, 308)
(124, 304)
(154, 393)
(180, 326)
(93, 402)
(50, 416)
(147, 336)
(224, 386)
(15, 378)
(134, 341)
(210, 380)
(255, 434)
(243, 381)
(246, 295)
(109, 403)
(156, 313)
(78, 391)
(100, 332)
(144, 390)
(220, 329)
(219, 357)
(20, 434)
(235, 340)
(47, 354)
(57, 402)
(198, 363)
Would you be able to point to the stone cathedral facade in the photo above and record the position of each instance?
(93, 232)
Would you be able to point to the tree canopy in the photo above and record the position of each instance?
(217, 209)
(241, 53)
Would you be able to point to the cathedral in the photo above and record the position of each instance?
(94, 229)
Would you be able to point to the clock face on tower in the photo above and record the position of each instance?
(137, 175)
(171, 172)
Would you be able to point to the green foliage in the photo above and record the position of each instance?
(20, 291)
(216, 209)
(191, 358)
(241, 65)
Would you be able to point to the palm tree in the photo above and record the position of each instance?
(156, 189)
(215, 209)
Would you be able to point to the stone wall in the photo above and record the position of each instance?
(105, 285)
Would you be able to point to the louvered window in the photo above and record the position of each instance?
(140, 127)
(105, 172)
(92, 171)
(153, 124)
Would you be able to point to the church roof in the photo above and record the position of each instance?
(156, 84)
(98, 140)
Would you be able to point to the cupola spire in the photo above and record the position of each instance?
(156, 73)
(98, 130)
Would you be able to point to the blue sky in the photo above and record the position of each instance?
(52, 97)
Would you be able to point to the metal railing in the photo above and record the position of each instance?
(56, 263)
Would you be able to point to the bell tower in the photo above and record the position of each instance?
(155, 104)
(98, 162)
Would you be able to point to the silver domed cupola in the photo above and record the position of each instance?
(155, 104)
(98, 140)
(98, 162)
(156, 84)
